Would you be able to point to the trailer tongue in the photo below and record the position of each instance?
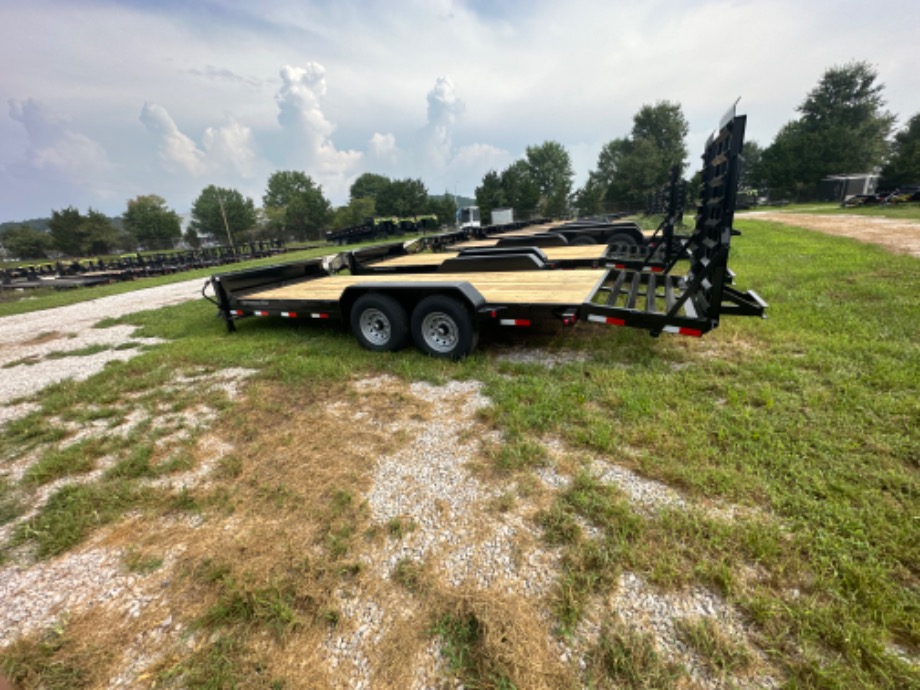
(441, 309)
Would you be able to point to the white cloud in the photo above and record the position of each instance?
(444, 107)
(383, 149)
(231, 146)
(308, 130)
(177, 151)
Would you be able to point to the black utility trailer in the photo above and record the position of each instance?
(442, 310)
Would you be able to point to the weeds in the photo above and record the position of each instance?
(462, 645)
(720, 653)
(626, 658)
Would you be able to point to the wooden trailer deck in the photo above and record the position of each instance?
(589, 253)
(526, 287)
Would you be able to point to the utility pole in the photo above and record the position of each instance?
(220, 201)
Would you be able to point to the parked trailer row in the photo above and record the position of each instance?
(442, 310)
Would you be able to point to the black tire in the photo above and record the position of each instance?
(442, 327)
(379, 323)
(581, 241)
(622, 238)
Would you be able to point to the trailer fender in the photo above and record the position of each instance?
(410, 294)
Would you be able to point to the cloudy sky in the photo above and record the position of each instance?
(102, 100)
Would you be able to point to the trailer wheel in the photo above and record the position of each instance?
(379, 323)
(442, 327)
(582, 240)
(622, 238)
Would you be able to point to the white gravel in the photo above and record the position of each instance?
(25, 369)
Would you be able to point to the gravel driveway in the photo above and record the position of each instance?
(897, 236)
(26, 340)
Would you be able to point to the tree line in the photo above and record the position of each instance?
(294, 207)
(842, 127)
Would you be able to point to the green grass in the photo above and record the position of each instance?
(806, 422)
(720, 653)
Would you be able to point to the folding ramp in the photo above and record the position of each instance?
(690, 304)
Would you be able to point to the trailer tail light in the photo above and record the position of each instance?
(319, 315)
(515, 322)
(569, 320)
(692, 332)
(289, 314)
(609, 320)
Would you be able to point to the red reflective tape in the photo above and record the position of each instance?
(657, 269)
(515, 322)
(620, 266)
(692, 332)
(615, 322)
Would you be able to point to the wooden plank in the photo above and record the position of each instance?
(522, 287)
(587, 253)
(419, 259)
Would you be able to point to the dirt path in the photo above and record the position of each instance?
(897, 236)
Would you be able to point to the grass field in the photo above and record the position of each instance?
(793, 444)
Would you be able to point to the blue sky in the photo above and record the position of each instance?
(102, 100)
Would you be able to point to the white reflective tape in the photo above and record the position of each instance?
(671, 329)
(597, 319)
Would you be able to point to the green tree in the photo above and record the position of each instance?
(368, 186)
(444, 207)
(25, 243)
(752, 176)
(296, 205)
(589, 200)
(520, 190)
(402, 198)
(665, 126)
(903, 168)
(489, 195)
(215, 205)
(633, 167)
(64, 227)
(843, 128)
(354, 213)
(550, 168)
(152, 224)
(191, 238)
(100, 236)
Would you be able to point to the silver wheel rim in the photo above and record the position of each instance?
(440, 332)
(375, 327)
